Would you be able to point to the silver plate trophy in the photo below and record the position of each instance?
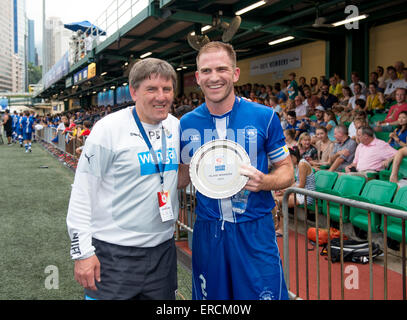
(215, 166)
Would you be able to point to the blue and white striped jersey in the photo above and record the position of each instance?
(257, 129)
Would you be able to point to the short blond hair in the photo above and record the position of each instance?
(217, 46)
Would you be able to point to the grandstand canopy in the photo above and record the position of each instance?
(163, 26)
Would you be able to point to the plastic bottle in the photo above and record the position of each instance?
(239, 201)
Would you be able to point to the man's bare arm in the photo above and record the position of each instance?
(183, 175)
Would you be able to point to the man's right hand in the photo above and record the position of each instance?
(86, 271)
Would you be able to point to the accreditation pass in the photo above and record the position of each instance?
(164, 204)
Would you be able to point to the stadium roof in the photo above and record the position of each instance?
(163, 26)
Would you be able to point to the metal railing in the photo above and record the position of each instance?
(67, 147)
(370, 208)
(116, 15)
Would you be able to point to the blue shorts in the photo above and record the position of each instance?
(27, 136)
(240, 262)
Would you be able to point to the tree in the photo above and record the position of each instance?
(34, 73)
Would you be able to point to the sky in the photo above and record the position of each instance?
(68, 10)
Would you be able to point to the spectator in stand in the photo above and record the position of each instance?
(331, 123)
(398, 138)
(392, 83)
(70, 127)
(269, 90)
(324, 147)
(273, 103)
(357, 94)
(374, 78)
(404, 80)
(279, 93)
(301, 109)
(314, 124)
(381, 78)
(372, 154)
(399, 66)
(341, 115)
(402, 153)
(310, 100)
(83, 135)
(346, 95)
(290, 138)
(293, 123)
(335, 88)
(393, 114)
(61, 127)
(307, 150)
(339, 80)
(292, 88)
(314, 86)
(360, 105)
(253, 97)
(375, 100)
(302, 85)
(359, 120)
(344, 149)
(304, 178)
(263, 94)
(323, 80)
(356, 80)
(327, 100)
(194, 99)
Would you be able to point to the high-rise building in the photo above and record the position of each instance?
(56, 43)
(31, 42)
(6, 45)
(20, 34)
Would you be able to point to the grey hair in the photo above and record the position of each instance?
(342, 128)
(144, 69)
(367, 131)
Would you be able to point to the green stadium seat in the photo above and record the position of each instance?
(385, 174)
(394, 226)
(377, 117)
(324, 180)
(346, 185)
(375, 192)
(385, 136)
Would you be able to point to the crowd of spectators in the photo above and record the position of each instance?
(326, 119)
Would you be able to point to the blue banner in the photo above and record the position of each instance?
(58, 70)
(106, 98)
(123, 95)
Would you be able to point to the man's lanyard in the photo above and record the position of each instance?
(159, 168)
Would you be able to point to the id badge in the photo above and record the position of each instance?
(164, 204)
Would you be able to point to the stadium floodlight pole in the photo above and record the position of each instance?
(43, 40)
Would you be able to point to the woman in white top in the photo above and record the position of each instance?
(304, 178)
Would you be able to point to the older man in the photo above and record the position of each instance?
(392, 83)
(344, 149)
(124, 199)
(372, 154)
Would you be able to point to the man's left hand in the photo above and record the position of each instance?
(256, 177)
